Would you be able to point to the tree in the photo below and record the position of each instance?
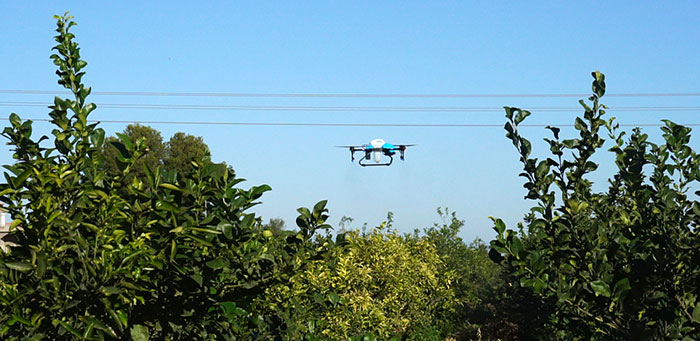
(621, 264)
(488, 305)
(175, 155)
(154, 156)
(275, 225)
(175, 257)
(182, 149)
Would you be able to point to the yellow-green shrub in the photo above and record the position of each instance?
(380, 283)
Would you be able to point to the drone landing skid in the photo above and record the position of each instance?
(391, 159)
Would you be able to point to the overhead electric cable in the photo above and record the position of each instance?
(307, 124)
(340, 95)
(342, 108)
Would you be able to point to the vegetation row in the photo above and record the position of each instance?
(128, 237)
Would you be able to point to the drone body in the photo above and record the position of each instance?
(376, 149)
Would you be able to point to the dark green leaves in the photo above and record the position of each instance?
(621, 261)
(598, 86)
(98, 253)
(621, 288)
(124, 153)
(218, 263)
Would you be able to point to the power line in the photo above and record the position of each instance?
(343, 108)
(340, 95)
(307, 124)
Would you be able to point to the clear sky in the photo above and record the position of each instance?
(401, 47)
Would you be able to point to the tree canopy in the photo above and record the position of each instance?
(175, 155)
(182, 149)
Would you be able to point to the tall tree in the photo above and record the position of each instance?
(182, 149)
(175, 155)
(174, 259)
(153, 157)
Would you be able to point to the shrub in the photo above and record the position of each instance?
(621, 264)
(173, 256)
(380, 283)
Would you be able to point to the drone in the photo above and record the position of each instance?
(375, 149)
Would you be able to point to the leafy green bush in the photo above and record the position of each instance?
(621, 264)
(175, 257)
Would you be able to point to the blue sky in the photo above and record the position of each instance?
(407, 47)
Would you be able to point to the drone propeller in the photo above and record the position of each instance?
(352, 149)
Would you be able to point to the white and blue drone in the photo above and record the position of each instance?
(376, 149)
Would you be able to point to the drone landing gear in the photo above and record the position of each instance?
(391, 159)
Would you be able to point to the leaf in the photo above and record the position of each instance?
(247, 221)
(69, 328)
(15, 120)
(19, 266)
(516, 246)
(123, 152)
(170, 186)
(21, 178)
(600, 288)
(111, 290)
(495, 255)
(320, 206)
(580, 125)
(621, 288)
(128, 144)
(164, 205)
(197, 278)
(139, 333)
(98, 138)
(301, 222)
(570, 143)
(257, 191)
(555, 131)
(500, 226)
(218, 263)
(41, 264)
(304, 212)
(696, 313)
(226, 228)
(334, 298)
(199, 240)
(204, 230)
(250, 284)
(231, 310)
(520, 116)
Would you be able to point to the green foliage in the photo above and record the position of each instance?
(621, 264)
(477, 278)
(379, 284)
(152, 158)
(177, 155)
(173, 258)
(488, 304)
(182, 149)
